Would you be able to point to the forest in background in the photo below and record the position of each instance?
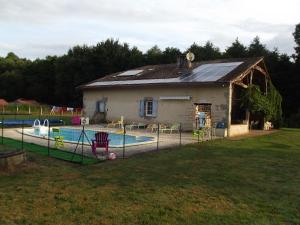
(53, 80)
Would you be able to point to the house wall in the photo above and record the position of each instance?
(126, 102)
(238, 129)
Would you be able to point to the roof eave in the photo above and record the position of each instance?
(182, 84)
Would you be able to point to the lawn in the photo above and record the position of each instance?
(249, 181)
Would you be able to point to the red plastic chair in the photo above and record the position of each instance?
(101, 140)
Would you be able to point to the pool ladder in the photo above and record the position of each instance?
(45, 123)
(41, 129)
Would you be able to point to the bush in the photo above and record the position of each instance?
(293, 120)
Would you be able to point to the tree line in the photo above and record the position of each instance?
(53, 80)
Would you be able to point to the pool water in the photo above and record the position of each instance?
(73, 135)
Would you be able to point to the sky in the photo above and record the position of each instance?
(37, 28)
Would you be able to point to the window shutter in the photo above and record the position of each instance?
(154, 110)
(142, 108)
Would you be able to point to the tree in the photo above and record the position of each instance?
(170, 55)
(154, 55)
(256, 48)
(236, 50)
(296, 35)
(206, 52)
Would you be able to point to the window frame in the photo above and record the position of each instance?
(147, 107)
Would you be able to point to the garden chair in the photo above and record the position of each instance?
(59, 140)
(101, 140)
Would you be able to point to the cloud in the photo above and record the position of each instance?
(27, 25)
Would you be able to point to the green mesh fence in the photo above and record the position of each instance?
(55, 153)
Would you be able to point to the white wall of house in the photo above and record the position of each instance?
(238, 129)
(126, 102)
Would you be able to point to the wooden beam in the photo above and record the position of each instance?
(261, 70)
(241, 77)
(241, 84)
(244, 74)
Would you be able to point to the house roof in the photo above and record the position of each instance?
(3, 102)
(205, 72)
(23, 101)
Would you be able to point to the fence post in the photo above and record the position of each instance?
(124, 139)
(198, 135)
(22, 145)
(2, 129)
(157, 136)
(180, 134)
(83, 133)
(49, 139)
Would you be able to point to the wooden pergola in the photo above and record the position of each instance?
(246, 78)
(256, 74)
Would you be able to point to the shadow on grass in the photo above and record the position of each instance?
(250, 181)
(55, 153)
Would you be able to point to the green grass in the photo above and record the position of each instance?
(55, 153)
(248, 181)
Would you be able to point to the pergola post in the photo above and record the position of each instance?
(229, 109)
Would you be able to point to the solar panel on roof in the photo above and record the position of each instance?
(130, 73)
(204, 73)
(211, 72)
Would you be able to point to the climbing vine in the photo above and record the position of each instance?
(258, 103)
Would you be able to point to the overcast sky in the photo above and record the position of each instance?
(36, 28)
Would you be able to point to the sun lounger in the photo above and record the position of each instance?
(153, 127)
(174, 127)
(136, 125)
(116, 123)
(113, 124)
(132, 126)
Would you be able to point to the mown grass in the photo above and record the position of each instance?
(248, 181)
(53, 152)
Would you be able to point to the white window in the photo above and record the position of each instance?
(149, 107)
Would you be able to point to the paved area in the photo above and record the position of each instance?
(254, 133)
(165, 140)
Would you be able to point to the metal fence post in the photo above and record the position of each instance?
(157, 136)
(2, 130)
(48, 140)
(83, 133)
(124, 139)
(180, 134)
(22, 145)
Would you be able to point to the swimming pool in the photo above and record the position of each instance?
(72, 135)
